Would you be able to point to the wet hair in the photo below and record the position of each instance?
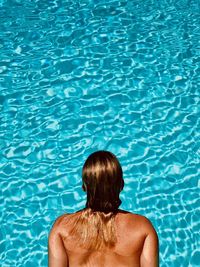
(102, 181)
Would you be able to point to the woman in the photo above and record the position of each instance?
(102, 235)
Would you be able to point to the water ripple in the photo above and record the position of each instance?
(83, 76)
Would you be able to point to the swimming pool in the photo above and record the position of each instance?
(79, 76)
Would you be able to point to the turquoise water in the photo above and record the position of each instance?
(79, 76)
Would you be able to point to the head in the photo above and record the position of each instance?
(103, 181)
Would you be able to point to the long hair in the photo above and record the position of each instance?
(103, 181)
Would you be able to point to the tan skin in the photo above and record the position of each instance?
(137, 245)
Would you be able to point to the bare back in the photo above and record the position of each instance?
(131, 230)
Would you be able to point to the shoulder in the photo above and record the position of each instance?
(148, 228)
(141, 222)
(140, 218)
(58, 223)
(57, 254)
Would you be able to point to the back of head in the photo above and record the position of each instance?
(103, 180)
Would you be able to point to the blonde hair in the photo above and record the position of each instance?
(103, 181)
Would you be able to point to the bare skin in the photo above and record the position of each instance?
(137, 245)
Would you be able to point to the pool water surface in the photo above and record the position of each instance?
(80, 76)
